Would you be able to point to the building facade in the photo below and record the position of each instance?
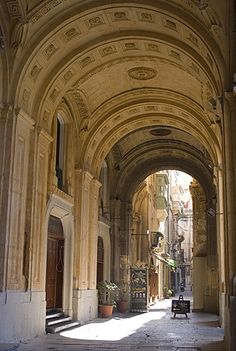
(95, 96)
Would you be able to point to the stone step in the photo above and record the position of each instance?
(54, 315)
(52, 329)
(59, 319)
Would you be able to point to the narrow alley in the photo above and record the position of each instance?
(156, 330)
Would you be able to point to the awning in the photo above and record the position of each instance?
(170, 261)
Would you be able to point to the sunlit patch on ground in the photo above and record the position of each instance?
(114, 329)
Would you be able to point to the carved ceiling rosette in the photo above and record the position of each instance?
(142, 73)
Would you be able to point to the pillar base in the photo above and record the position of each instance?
(22, 315)
(85, 305)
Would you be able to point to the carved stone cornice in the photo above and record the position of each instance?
(25, 117)
(17, 9)
(45, 138)
(44, 9)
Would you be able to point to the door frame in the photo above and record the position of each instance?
(62, 209)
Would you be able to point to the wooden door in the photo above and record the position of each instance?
(153, 281)
(55, 267)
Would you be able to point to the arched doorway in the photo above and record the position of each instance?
(55, 264)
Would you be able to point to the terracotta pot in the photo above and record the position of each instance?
(122, 306)
(105, 310)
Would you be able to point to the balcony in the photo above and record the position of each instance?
(161, 204)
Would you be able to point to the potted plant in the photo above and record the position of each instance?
(123, 302)
(107, 297)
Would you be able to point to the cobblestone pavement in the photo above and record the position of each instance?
(156, 330)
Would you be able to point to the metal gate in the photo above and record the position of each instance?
(139, 289)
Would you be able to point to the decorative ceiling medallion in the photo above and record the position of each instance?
(160, 131)
(142, 73)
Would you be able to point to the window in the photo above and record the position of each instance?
(60, 151)
(103, 193)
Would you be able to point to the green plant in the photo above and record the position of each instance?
(108, 293)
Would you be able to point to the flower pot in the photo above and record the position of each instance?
(122, 306)
(105, 310)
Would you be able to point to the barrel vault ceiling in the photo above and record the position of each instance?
(144, 75)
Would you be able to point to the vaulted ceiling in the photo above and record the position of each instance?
(145, 77)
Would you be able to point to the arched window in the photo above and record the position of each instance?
(100, 260)
(103, 195)
(60, 146)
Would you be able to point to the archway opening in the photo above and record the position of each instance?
(55, 264)
(162, 234)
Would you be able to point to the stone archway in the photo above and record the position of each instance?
(123, 67)
(127, 183)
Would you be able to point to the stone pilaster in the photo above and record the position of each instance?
(125, 241)
(136, 239)
(230, 187)
(39, 239)
(7, 128)
(82, 221)
(85, 303)
(19, 182)
(93, 234)
(15, 130)
(16, 299)
(199, 220)
(199, 245)
(229, 158)
(115, 232)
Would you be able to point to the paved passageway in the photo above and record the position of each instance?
(156, 330)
